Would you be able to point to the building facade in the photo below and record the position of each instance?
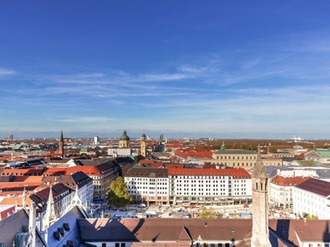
(318, 155)
(185, 186)
(280, 190)
(312, 198)
(235, 158)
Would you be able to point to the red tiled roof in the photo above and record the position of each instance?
(288, 181)
(21, 185)
(197, 154)
(8, 211)
(54, 170)
(22, 172)
(316, 186)
(174, 145)
(235, 172)
(89, 170)
(57, 190)
(16, 200)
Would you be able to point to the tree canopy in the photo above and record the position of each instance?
(209, 213)
(118, 196)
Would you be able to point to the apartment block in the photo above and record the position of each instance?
(189, 185)
(312, 197)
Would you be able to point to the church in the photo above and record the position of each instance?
(125, 148)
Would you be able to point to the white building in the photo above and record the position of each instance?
(96, 140)
(280, 190)
(210, 186)
(312, 197)
(148, 184)
(297, 172)
(190, 185)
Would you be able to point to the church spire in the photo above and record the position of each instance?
(260, 231)
(61, 145)
(259, 169)
(61, 136)
(49, 216)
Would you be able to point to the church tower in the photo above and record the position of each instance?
(124, 140)
(143, 145)
(260, 231)
(61, 145)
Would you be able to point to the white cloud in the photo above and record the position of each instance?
(4, 71)
(88, 120)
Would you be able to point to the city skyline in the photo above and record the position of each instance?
(179, 68)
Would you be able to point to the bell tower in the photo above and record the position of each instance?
(143, 145)
(260, 231)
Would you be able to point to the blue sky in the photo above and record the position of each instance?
(225, 69)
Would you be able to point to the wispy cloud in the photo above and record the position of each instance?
(4, 71)
(88, 120)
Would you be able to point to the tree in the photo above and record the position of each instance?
(118, 196)
(209, 213)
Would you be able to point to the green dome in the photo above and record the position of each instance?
(124, 137)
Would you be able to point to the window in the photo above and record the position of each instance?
(104, 245)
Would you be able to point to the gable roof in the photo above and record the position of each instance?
(12, 225)
(316, 186)
(72, 233)
(165, 229)
(196, 154)
(169, 232)
(288, 181)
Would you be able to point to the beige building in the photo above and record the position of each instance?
(241, 158)
(235, 158)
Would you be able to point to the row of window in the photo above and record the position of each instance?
(201, 181)
(202, 177)
(237, 157)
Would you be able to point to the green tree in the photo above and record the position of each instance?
(118, 196)
(209, 213)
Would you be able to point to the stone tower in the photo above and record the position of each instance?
(143, 145)
(124, 140)
(61, 145)
(260, 231)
